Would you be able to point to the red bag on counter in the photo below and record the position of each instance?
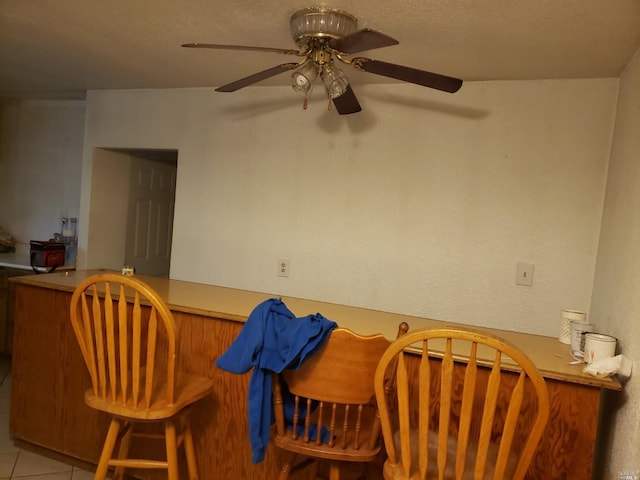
(46, 255)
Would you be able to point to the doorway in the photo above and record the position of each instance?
(132, 208)
(152, 189)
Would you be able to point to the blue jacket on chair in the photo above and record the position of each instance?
(271, 340)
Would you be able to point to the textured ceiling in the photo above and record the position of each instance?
(59, 49)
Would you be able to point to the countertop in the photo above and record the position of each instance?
(550, 356)
(22, 261)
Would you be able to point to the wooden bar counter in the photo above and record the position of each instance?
(49, 377)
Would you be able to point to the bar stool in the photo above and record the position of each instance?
(334, 416)
(127, 336)
(458, 414)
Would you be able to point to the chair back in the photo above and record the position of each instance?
(467, 406)
(336, 386)
(127, 336)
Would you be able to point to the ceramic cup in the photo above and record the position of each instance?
(598, 346)
(578, 331)
(566, 317)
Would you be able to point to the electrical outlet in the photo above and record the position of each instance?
(524, 274)
(283, 268)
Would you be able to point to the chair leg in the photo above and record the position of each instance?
(107, 449)
(334, 471)
(172, 449)
(288, 464)
(123, 451)
(189, 449)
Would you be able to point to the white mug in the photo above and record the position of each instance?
(598, 346)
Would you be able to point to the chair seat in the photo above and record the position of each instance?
(336, 452)
(188, 389)
(396, 472)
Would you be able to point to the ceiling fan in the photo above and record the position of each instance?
(323, 36)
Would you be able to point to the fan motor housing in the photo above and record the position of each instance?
(320, 23)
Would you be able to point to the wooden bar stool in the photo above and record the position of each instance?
(127, 336)
(468, 406)
(334, 412)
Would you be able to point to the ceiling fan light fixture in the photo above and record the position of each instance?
(320, 23)
(302, 79)
(323, 37)
(335, 80)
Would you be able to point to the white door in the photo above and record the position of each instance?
(150, 216)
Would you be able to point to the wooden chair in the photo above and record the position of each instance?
(127, 336)
(459, 414)
(336, 386)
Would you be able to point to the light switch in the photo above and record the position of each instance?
(524, 274)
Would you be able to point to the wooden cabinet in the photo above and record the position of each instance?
(6, 307)
(49, 380)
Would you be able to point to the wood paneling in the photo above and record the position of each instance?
(47, 397)
(567, 448)
(6, 306)
(49, 380)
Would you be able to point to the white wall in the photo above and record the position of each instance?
(422, 204)
(109, 204)
(40, 165)
(616, 293)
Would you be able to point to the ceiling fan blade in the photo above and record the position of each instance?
(256, 77)
(408, 74)
(365, 39)
(347, 102)
(285, 51)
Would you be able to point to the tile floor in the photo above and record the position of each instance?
(18, 464)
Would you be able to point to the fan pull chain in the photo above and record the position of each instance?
(304, 105)
(330, 105)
